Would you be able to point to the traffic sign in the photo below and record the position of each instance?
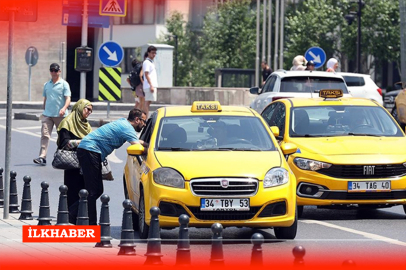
(111, 54)
(25, 11)
(31, 56)
(72, 14)
(113, 8)
(317, 55)
(110, 84)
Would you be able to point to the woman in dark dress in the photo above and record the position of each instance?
(70, 132)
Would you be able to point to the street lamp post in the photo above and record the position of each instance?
(350, 18)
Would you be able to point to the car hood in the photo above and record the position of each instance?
(352, 149)
(193, 164)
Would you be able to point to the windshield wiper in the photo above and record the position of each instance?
(304, 135)
(174, 148)
(363, 134)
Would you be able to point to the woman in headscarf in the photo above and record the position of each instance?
(332, 65)
(71, 131)
(299, 63)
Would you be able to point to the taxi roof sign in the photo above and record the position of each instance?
(331, 93)
(206, 106)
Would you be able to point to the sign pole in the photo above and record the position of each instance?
(9, 113)
(29, 73)
(84, 44)
(111, 38)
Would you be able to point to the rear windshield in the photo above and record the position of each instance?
(354, 81)
(308, 84)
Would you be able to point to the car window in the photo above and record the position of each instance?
(197, 133)
(146, 132)
(306, 84)
(329, 121)
(354, 81)
(275, 115)
(269, 85)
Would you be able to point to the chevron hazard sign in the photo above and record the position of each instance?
(113, 8)
(110, 84)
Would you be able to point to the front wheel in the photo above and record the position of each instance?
(300, 209)
(143, 227)
(287, 232)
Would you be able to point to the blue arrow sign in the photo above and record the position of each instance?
(110, 54)
(317, 55)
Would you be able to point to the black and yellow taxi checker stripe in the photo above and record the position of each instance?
(110, 84)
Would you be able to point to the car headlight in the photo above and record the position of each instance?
(276, 177)
(169, 177)
(310, 165)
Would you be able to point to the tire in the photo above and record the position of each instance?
(134, 215)
(288, 233)
(300, 211)
(143, 227)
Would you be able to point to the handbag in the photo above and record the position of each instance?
(65, 160)
(106, 171)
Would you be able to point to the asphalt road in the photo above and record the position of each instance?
(340, 234)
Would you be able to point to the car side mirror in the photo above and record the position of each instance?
(135, 150)
(275, 131)
(288, 148)
(254, 90)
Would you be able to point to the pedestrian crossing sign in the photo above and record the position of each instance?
(113, 8)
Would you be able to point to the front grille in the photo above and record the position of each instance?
(393, 195)
(224, 215)
(357, 171)
(213, 187)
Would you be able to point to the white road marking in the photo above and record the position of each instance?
(3, 118)
(27, 132)
(36, 127)
(365, 234)
(113, 158)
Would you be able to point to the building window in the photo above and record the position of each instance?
(143, 12)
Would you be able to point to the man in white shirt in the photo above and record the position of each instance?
(150, 78)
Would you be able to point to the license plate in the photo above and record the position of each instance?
(369, 186)
(224, 204)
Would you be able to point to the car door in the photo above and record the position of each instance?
(275, 115)
(138, 165)
(267, 91)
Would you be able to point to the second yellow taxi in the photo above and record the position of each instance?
(214, 164)
(350, 151)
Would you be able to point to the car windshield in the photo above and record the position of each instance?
(213, 133)
(326, 121)
(306, 84)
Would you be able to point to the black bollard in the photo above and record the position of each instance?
(257, 240)
(216, 256)
(13, 207)
(298, 253)
(26, 202)
(63, 213)
(83, 216)
(1, 189)
(104, 222)
(154, 239)
(127, 243)
(183, 250)
(44, 217)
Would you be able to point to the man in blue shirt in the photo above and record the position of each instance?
(56, 95)
(95, 147)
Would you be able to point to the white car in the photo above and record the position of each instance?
(362, 85)
(288, 84)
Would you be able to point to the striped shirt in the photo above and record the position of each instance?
(109, 137)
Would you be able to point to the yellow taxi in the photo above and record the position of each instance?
(350, 151)
(215, 164)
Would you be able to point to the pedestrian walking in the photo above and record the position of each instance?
(136, 84)
(266, 71)
(56, 95)
(150, 79)
(96, 146)
(299, 63)
(332, 65)
(71, 131)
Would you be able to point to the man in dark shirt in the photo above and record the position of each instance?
(266, 71)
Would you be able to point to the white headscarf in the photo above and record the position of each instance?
(331, 63)
(298, 62)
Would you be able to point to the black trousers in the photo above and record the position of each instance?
(90, 162)
(74, 181)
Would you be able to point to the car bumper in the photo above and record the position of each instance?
(332, 191)
(270, 207)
